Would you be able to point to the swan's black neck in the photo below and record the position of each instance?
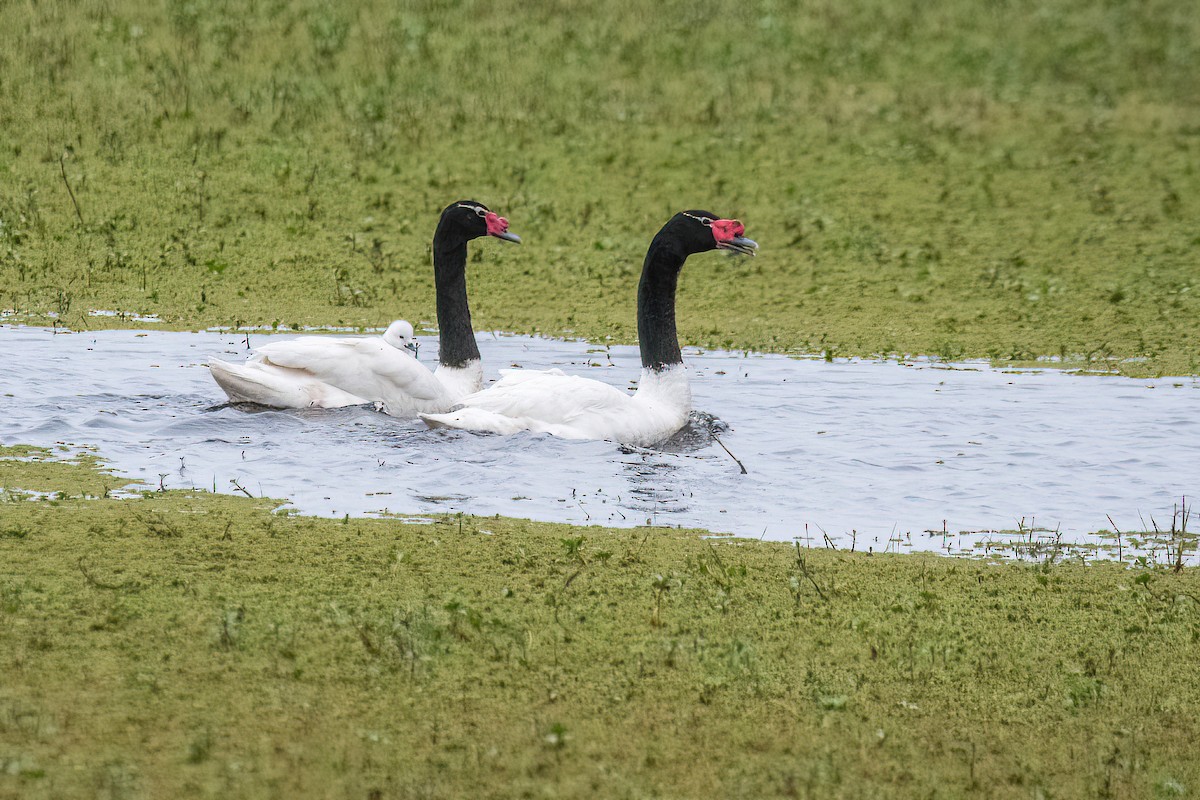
(456, 339)
(656, 304)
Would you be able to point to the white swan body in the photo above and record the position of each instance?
(324, 372)
(329, 372)
(254, 383)
(580, 408)
(572, 407)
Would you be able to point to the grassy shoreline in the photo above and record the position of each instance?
(196, 645)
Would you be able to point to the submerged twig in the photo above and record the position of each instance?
(1120, 549)
(731, 455)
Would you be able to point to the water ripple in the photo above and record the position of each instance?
(862, 452)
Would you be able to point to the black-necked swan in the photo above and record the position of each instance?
(321, 372)
(552, 402)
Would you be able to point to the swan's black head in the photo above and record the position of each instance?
(700, 231)
(471, 219)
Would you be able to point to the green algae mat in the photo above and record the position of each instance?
(1004, 181)
(197, 645)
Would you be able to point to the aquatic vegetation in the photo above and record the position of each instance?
(1004, 182)
(189, 644)
(69, 472)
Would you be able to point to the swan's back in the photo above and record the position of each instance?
(573, 407)
(254, 382)
(549, 396)
(354, 370)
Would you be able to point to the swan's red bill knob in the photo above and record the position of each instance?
(730, 235)
(498, 226)
(725, 230)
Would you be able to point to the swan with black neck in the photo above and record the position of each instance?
(549, 401)
(324, 372)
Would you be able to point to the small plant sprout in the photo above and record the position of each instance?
(1179, 534)
(573, 546)
(794, 582)
(660, 586)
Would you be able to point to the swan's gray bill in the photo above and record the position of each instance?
(740, 244)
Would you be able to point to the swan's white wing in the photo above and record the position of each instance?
(513, 376)
(366, 367)
(258, 382)
(333, 360)
(574, 407)
(550, 397)
(394, 372)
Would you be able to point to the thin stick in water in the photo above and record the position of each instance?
(731, 455)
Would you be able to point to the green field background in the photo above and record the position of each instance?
(1003, 179)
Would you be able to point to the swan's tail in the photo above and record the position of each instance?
(269, 385)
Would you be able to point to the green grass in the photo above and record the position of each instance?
(195, 645)
(1005, 180)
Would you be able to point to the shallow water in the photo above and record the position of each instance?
(869, 454)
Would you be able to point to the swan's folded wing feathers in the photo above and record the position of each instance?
(259, 382)
(404, 373)
(513, 376)
(369, 366)
(546, 396)
(313, 353)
